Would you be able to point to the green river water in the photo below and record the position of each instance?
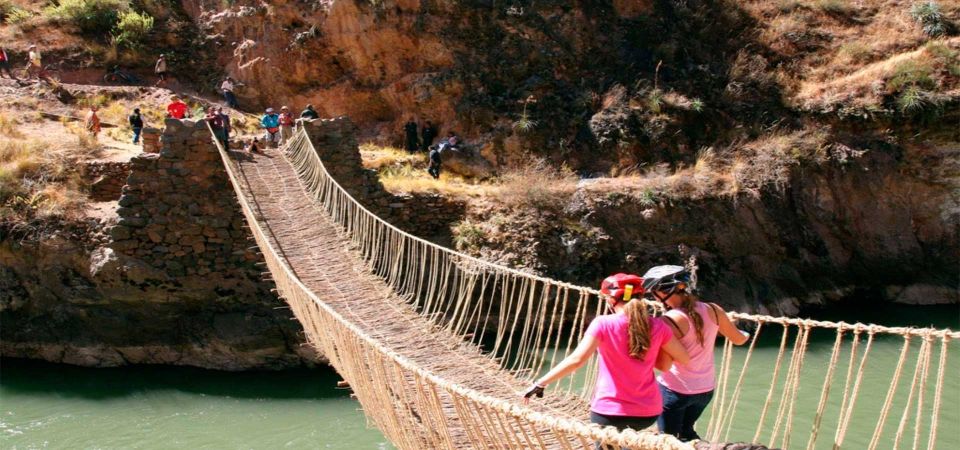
(62, 407)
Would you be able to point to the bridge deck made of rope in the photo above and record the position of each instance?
(323, 260)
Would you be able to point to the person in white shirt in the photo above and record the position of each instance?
(161, 70)
(35, 63)
(227, 87)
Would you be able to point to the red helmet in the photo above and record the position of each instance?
(622, 286)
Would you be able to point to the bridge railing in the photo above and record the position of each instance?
(527, 322)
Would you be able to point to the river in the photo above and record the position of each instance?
(56, 406)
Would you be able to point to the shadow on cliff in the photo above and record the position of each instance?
(571, 58)
(99, 384)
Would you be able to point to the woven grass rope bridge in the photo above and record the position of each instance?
(436, 344)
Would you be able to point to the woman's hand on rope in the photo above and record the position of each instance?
(535, 389)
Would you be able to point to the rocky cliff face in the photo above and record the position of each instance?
(173, 281)
(878, 226)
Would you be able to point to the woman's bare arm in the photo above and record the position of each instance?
(579, 357)
(676, 351)
(727, 328)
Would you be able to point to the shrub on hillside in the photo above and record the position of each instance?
(12, 14)
(132, 29)
(90, 16)
(929, 15)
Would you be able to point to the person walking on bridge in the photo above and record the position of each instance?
(630, 343)
(270, 121)
(286, 125)
(687, 388)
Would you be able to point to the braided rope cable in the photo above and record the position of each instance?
(891, 392)
(825, 390)
(336, 337)
(458, 293)
(938, 394)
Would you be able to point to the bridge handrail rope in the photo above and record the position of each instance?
(537, 321)
(289, 285)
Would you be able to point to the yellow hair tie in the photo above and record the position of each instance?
(627, 292)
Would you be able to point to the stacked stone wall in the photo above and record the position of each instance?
(106, 179)
(178, 210)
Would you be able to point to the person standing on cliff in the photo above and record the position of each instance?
(309, 113)
(160, 68)
(136, 124)
(35, 63)
(428, 134)
(286, 125)
(410, 129)
(227, 87)
(5, 64)
(93, 122)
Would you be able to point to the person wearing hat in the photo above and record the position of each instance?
(309, 113)
(629, 343)
(688, 388)
(160, 68)
(271, 125)
(177, 109)
(286, 125)
(34, 62)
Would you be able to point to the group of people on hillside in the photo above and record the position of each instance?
(631, 344)
(34, 66)
(278, 127)
(412, 142)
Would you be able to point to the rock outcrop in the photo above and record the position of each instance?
(176, 282)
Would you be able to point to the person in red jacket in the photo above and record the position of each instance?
(5, 64)
(177, 109)
(286, 125)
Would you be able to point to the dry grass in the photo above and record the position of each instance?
(376, 157)
(928, 67)
(742, 169)
(536, 182)
(39, 180)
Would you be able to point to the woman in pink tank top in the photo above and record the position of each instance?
(629, 343)
(687, 388)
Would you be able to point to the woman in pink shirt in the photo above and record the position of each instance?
(687, 388)
(629, 342)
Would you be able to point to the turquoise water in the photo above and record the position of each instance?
(64, 407)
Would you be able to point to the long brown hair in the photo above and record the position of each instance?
(639, 328)
(688, 305)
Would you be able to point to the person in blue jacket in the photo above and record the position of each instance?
(271, 124)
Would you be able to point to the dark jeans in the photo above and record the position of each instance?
(136, 135)
(621, 422)
(231, 99)
(681, 411)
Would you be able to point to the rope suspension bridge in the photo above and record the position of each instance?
(436, 344)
